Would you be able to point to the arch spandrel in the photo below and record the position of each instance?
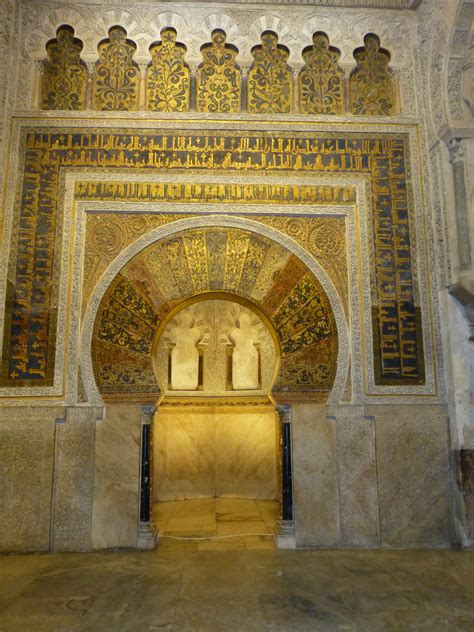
(200, 261)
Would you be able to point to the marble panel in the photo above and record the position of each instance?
(315, 490)
(357, 475)
(184, 453)
(26, 470)
(116, 477)
(73, 482)
(215, 451)
(246, 454)
(413, 474)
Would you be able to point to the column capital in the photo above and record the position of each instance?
(39, 65)
(91, 66)
(456, 150)
(284, 412)
(147, 413)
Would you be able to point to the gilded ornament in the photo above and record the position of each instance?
(30, 334)
(167, 75)
(325, 241)
(371, 84)
(218, 77)
(107, 237)
(270, 83)
(116, 76)
(130, 312)
(64, 78)
(321, 81)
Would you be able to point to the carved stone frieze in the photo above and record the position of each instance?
(294, 24)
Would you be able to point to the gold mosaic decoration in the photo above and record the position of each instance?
(167, 76)
(218, 77)
(116, 77)
(108, 233)
(321, 81)
(184, 265)
(64, 77)
(270, 83)
(371, 85)
(30, 331)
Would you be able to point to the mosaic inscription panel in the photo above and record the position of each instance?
(29, 340)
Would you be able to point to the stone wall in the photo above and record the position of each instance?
(373, 476)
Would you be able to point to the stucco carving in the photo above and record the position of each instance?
(294, 25)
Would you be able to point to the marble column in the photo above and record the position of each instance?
(147, 537)
(456, 158)
(285, 537)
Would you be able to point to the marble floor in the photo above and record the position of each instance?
(238, 591)
(206, 524)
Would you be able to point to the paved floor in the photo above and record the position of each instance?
(242, 590)
(217, 523)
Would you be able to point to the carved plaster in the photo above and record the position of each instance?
(293, 23)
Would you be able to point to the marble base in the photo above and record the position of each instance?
(466, 466)
(27, 444)
(413, 474)
(315, 481)
(148, 536)
(73, 481)
(285, 537)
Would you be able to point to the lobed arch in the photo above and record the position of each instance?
(336, 343)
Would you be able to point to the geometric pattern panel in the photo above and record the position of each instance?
(30, 314)
(199, 261)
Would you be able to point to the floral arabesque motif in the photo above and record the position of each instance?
(218, 77)
(116, 75)
(321, 81)
(270, 86)
(167, 76)
(371, 84)
(64, 78)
